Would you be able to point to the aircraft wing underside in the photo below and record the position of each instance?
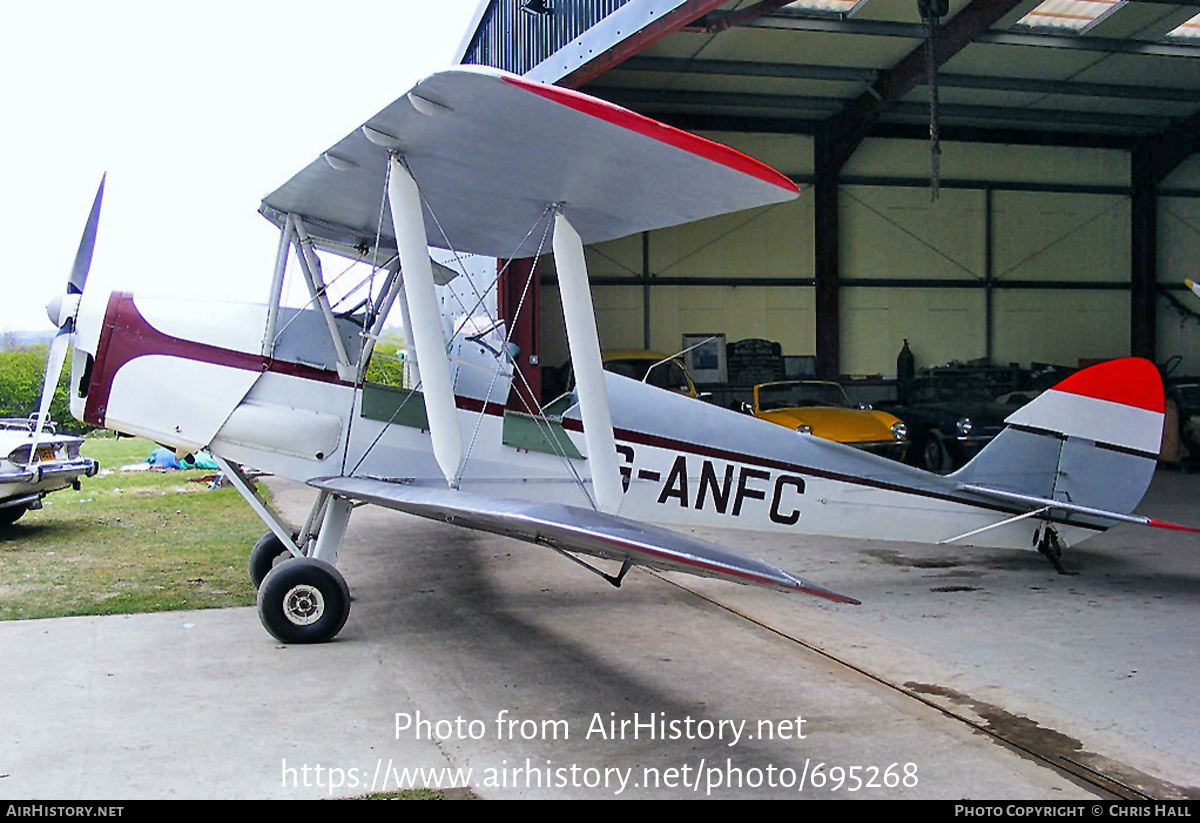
(574, 530)
(491, 151)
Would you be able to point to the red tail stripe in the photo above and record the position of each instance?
(1131, 381)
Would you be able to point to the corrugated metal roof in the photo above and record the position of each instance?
(516, 35)
(1122, 69)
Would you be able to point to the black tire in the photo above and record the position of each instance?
(303, 601)
(933, 455)
(11, 514)
(267, 553)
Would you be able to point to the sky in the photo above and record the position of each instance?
(196, 111)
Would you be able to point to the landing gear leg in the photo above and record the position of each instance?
(274, 544)
(302, 598)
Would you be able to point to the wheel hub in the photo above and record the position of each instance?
(303, 605)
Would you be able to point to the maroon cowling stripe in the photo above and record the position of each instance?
(126, 335)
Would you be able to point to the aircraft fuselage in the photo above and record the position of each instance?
(194, 375)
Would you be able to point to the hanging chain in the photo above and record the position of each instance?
(931, 12)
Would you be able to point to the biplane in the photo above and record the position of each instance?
(477, 161)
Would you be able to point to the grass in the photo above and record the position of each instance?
(128, 542)
(136, 542)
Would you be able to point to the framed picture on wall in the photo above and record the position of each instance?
(704, 356)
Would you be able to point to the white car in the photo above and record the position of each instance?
(24, 482)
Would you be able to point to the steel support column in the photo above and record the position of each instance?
(826, 258)
(1153, 160)
(518, 302)
(1143, 257)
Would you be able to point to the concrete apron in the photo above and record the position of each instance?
(513, 671)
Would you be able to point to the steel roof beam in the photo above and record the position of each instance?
(749, 68)
(1160, 155)
(956, 33)
(647, 36)
(659, 102)
(1039, 135)
(1032, 38)
(717, 21)
(847, 74)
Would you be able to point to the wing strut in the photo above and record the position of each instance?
(246, 489)
(281, 258)
(584, 343)
(310, 265)
(426, 329)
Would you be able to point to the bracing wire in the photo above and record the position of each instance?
(543, 422)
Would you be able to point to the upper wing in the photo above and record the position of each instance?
(575, 530)
(491, 151)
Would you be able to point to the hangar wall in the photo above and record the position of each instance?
(1179, 258)
(1008, 219)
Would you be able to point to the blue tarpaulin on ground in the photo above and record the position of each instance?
(164, 458)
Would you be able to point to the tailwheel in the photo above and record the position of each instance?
(303, 601)
(1050, 546)
(267, 553)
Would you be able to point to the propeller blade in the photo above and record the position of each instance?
(66, 326)
(83, 257)
(54, 364)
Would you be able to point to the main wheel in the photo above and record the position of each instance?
(303, 601)
(11, 514)
(267, 553)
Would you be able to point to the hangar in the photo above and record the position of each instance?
(1024, 192)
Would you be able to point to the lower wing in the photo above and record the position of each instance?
(574, 530)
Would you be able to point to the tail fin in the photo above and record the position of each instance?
(1091, 441)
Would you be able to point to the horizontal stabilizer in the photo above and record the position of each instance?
(1046, 504)
(491, 151)
(576, 530)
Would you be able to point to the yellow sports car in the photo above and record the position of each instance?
(661, 370)
(822, 409)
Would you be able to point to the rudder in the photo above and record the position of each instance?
(1092, 440)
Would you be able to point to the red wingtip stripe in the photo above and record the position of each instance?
(1131, 381)
(1163, 524)
(838, 598)
(658, 131)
